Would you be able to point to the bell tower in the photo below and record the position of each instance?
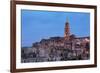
(67, 31)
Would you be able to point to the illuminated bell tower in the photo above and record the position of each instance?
(67, 31)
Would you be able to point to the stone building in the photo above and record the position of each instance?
(69, 47)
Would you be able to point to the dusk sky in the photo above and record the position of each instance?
(37, 25)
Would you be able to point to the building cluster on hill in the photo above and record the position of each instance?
(58, 48)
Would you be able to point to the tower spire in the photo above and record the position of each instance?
(67, 20)
(67, 30)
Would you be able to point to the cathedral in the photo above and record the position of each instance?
(69, 47)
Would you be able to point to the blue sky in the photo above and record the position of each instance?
(37, 25)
